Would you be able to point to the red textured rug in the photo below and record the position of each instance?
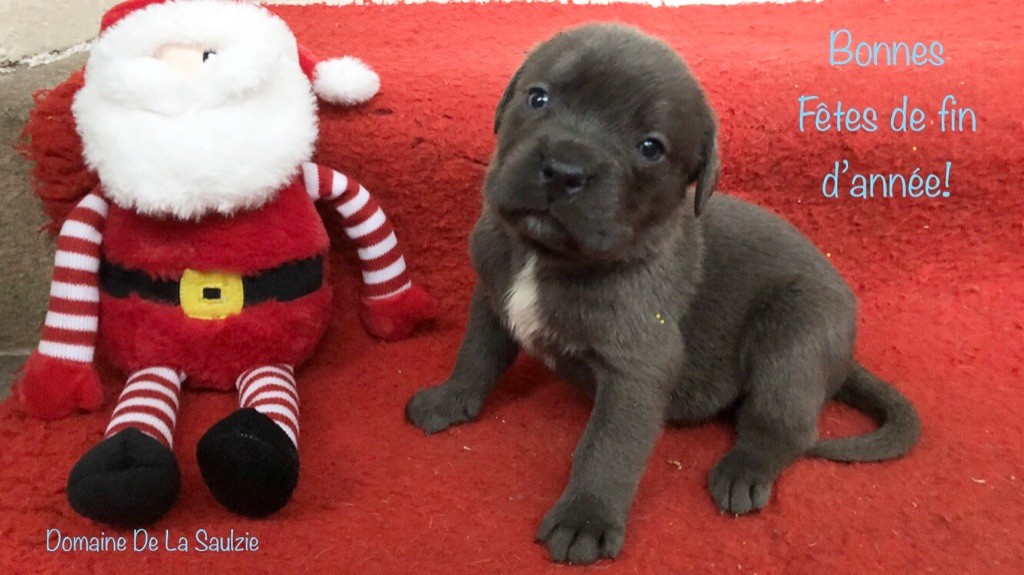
(941, 285)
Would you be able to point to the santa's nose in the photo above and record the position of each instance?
(185, 57)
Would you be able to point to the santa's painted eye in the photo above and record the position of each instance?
(208, 53)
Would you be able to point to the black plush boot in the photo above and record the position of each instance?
(127, 480)
(249, 463)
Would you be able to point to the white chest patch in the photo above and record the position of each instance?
(522, 310)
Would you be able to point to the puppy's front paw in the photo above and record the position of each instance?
(579, 529)
(441, 407)
(741, 482)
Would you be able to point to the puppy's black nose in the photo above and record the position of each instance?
(562, 178)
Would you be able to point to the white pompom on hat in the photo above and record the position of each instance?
(345, 80)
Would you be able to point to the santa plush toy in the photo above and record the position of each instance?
(200, 259)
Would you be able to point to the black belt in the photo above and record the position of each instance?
(283, 283)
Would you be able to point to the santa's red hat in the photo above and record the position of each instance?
(345, 80)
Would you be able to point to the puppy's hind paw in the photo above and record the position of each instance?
(438, 408)
(739, 483)
(579, 530)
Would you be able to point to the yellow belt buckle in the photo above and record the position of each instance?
(211, 295)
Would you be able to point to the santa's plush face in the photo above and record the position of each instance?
(195, 107)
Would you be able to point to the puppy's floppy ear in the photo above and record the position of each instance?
(706, 175)
(510, 92)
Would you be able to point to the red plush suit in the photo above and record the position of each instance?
(138, 334)
(200, 258)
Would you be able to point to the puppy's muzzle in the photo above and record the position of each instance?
(567, 165)
(560, 179)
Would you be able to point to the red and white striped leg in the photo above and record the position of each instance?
(149, 403)
(250, 459)
(131, 478)
(271, 391)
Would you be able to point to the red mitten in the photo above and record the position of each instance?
(396, 317)
(52, 388)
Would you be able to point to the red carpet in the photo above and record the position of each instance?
(941, 285)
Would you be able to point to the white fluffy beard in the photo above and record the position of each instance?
(226, 140)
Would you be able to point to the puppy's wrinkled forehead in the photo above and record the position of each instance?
(612, 68)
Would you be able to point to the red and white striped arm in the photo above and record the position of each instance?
(72, 319)
(58, 377)
(380, 257)
(392, 305)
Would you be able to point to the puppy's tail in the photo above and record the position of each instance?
(899, 426)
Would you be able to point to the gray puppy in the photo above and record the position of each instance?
(667, 306)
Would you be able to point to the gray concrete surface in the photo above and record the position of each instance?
(26, 256)
(31, 27)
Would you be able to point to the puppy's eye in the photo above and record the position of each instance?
(652, 149)
(208, 53)
(538, 98)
